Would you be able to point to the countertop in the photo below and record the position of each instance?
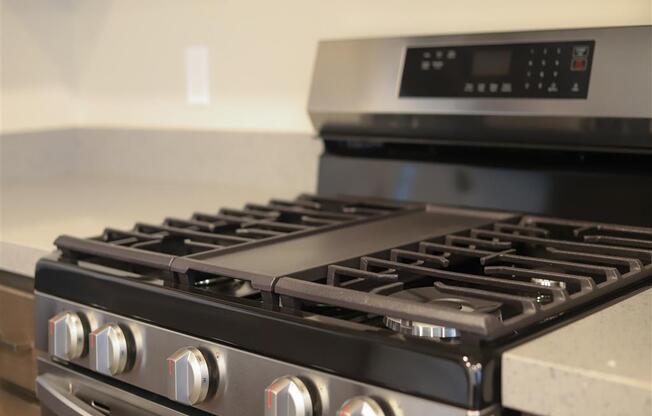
(598, 365)
(79, 181)
(36, 211)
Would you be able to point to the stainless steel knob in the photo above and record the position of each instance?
(66, 336)
(360, 406)
(188, 376)
(288, 396)
(108, 350)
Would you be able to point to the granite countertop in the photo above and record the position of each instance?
(79, 181)
(35, 212)
(598, 365)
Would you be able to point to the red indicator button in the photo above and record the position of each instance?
(578, 64)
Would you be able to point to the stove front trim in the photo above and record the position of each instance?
(242, 372)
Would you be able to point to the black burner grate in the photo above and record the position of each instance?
(173, 250)
(234, 227)
(535, 268)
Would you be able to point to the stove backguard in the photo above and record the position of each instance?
(576, 190)
(565, 89)
(492, 121)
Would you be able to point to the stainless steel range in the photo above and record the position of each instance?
(398, 301)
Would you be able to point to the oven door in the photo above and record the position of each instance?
(64, 392)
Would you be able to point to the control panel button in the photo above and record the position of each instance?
(451, 54)
(468, 87)
(66, 335)
(437, 65)
(108, 350)
(481, 87)
(288, 396)
(493, 87)
(360, 406)
(575, 87)
(425, 65)
(580, 51)
(188, 376)
(578, 64)
(506, 87)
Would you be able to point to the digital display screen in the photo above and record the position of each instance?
(491, 63)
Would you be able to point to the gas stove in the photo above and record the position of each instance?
(329, 296)
(335, 304)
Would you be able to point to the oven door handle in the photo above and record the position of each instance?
(55, 395)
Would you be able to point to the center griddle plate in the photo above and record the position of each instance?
(282, 258)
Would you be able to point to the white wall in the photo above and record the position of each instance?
(120, 63)
(38, 71)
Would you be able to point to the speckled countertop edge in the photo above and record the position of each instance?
(598, 365)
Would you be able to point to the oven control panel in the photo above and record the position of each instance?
(528, 70)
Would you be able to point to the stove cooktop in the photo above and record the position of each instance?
(380, 291)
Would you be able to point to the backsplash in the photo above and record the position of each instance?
(286, 161)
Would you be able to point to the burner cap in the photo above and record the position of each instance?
(433, 296)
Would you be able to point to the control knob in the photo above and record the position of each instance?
(188, 376)
(67, 335)
(109, 349)
(288, 396)
(360, 406)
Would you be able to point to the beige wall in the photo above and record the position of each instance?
(38, 70)
(120, 63)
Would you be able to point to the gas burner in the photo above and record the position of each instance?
(433, 296)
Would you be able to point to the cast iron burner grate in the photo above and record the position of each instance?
(235, 227)
(505, 275)
(172, 251)
(528, 271)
